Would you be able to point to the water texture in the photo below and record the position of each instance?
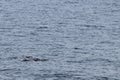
(59, 39)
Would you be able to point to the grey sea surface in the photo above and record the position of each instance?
(59, 39)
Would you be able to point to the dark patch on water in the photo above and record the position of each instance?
(31, 58)
(42, 27)
(6, 69)
(77, 48)
(93, 26)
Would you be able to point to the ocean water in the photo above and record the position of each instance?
(59, 39)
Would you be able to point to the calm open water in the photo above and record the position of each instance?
(80, 39)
